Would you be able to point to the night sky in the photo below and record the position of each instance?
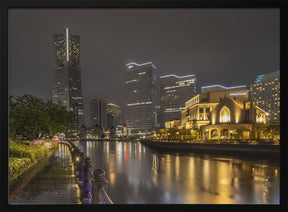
(220, 46)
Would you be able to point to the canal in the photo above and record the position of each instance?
(139, 175)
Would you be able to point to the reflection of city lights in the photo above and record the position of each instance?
(112, 178)
(276, 172)
(184, 179)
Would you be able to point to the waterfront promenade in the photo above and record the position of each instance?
(55, 184)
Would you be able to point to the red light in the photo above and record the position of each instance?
(148, 78)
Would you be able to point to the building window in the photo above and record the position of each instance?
(224, 115)
(247, 115)
(207, 109)
(247, 105)
(201, 110)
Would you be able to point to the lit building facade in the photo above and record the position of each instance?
(98, 114)
(231, 114)
(200, 106)
(141, 93)
(174, 92)
(265, 91)
(67, 88)
(176, 123)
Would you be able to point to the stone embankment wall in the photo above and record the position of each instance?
(259, 151)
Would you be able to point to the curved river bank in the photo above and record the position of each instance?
(138, 174)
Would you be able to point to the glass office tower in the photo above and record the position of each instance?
(174, 92)
(67, 74)
(141, 89)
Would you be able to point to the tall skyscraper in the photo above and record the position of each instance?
(265, 92)
(98, 114)
(67, 74)
(141, 96)
(174, 92)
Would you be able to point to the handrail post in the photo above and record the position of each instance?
(98, 183)
(81, 168)
(86, 180)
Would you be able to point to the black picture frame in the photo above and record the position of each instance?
(6, 4)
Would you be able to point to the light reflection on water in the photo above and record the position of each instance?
(138, 174)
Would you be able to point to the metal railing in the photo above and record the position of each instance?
(91, 183)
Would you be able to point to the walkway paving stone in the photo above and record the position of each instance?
(55, 184)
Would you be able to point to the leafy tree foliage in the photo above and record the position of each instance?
(31, 117)
(268, 131)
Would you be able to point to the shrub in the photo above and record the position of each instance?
(17, 166)
(23, 156)
(34, 152)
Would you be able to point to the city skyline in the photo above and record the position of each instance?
(220, 46)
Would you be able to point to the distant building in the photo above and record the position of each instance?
(265, 91)
(200, 106)
(67, 88)
(98, 114)
(114, 115)
(174, 92)
(141, 96)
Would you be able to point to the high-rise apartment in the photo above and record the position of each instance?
(174, 92)
(141, 94)
(98, 114)
(265, 92)
(67, 74)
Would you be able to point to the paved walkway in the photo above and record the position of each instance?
(55, 184)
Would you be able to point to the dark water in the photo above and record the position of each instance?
(138, 174)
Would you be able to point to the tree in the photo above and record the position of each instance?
(27, 117)
(31, 117)
(194, 129)
(272, 131)
(239, 133)
(61, 120)
(265, 131)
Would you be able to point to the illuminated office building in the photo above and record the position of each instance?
(265, 91)
(141, 94)
(67, 74)
(174, 92)
(98, 114)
